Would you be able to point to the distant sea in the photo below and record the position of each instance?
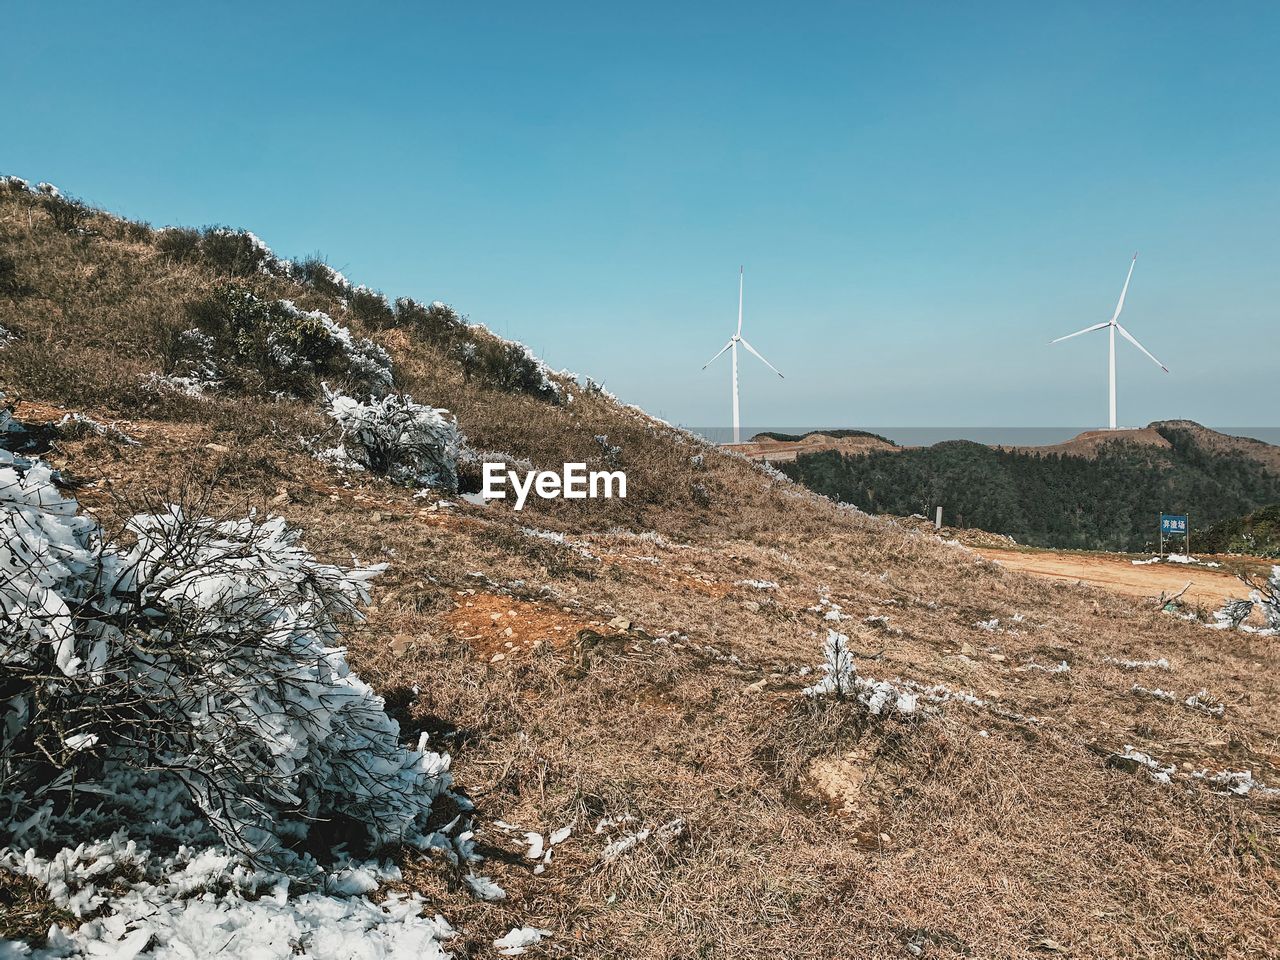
(1003, 436)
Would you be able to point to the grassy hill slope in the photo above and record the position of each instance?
(641, 662)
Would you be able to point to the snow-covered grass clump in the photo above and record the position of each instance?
(1160, 664)
(410, 443)
(207, 652)
(74, 425)
(840, 678)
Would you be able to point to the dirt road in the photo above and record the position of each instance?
(1119, 573)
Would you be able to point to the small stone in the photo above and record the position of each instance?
(620, 623)
(752, 606)
(497, 658)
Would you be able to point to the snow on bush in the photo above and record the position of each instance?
(840, 677)
(74, 425)
(288, 349)
(409, 443)
(206, 652)
(1267, 596)
(369, 365)
(193, 368)
(1232, 614)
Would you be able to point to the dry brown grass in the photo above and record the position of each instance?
(966, 833)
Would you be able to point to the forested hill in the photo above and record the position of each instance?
(1107, 500)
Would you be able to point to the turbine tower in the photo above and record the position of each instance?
(732, 346)
(1112, 326)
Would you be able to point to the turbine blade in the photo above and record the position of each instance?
(717, 356)
(739, 301)
(762, 359)
(1128, 336)
(1096, 326)
(1120, 303)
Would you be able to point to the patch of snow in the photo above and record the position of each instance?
(484, 888)
(519, 939)
(1060, 667)
(1157, 772)
(1201, 702)
(616, 848)
(1160, 664)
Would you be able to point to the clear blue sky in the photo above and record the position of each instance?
(924, 194)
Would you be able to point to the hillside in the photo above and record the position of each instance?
(633, 669)
(1099, 491)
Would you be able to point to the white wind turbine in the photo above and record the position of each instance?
(733, 345)
(1112, 326)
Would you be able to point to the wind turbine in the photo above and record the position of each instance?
(732, 345)
(1112, 326)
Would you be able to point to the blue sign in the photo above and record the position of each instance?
(1171, 523)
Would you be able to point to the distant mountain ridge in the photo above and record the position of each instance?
(1100, 490)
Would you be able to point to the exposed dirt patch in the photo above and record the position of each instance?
(505, 628)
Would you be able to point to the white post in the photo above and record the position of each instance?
(1112, 331)
(937, 523)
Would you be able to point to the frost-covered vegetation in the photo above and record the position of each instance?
(840, 678)
(182, 686)
(407, 442)
(272, 346)
(1264, 594)
(205, 650)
